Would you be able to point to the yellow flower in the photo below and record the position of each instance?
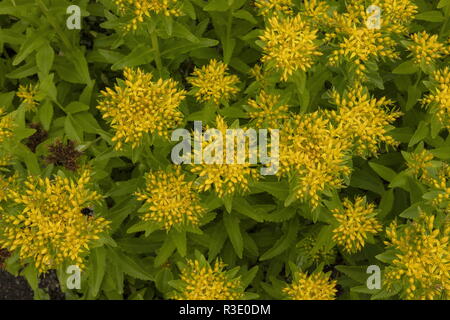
(213, 83)
(316, 286)
(396, 14)
(200, 281)
(226, 179)
(5, 160)
(355, 42)
(141, 107)
(355, 222)
(140, 9)
(421, 263)
(438, 101)
(267, 110)
(316, 10)
(7, 184)
(313, 156)
(6, 126)
(267, 7)
(48, 226)
(290, 45)
(363, 120)
(28, 96)
(426, 48)
(419, 163)
(360, 44)
(434, 174)
(170, 199)
(442, 185)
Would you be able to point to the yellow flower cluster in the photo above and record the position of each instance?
(28, 95)
(316, 10)
(396, 14)
(426, 48)
(200, 281)
(5, 160)
(313, 155)
(439, 99)
(289, 45)
(442, 185)
(268, 7)
(363, 120)
(213, 83)
(141, 107)
(422, 260)
(267, 110)
(419, 163)
(170, 199)
(7, 185)
(143, 8)
(6, 126)
(360, 44)
(355, 222)
(357, 43)
(225, 179)
(316, 286)
(48, 226)
(436, 176)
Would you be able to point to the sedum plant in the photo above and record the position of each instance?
(97, 101)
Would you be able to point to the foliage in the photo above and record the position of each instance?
(86, 176)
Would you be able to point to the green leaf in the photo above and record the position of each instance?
(365, 180)
(129, 265)
(164, 252)
(443, 3)
(216, 5)
(420, 134)
(248, 277)
(386, 203)
(284, 243)
(357, 273)
(141, 54)
(407, 67)
(243, 207)
(97, 270)
(277, 189)
(179, 238)
(70, 129)
(32, 43)
(44, 58)
(442, 153)
(412, 212)
(432, 16)
(76, 106)
(45, 113)
(88, 121)
(217, 238)
(280, 215)
(387, 256)
(231, 223)
(384, 172)
(244, 14)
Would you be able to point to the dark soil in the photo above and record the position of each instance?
(17, 288)
(12, 288)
